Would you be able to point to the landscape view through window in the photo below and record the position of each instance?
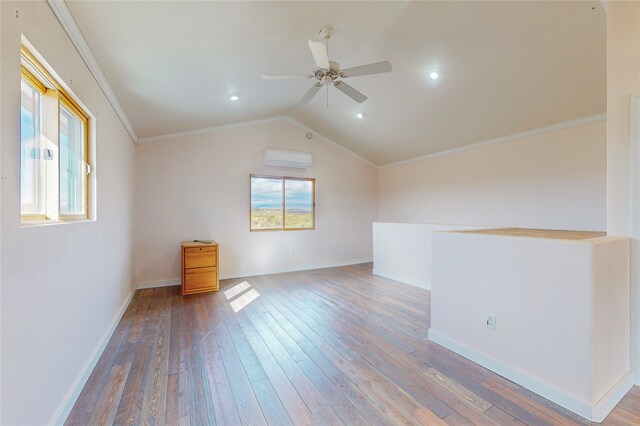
(281, 203)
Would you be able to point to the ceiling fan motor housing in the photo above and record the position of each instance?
(328, 76)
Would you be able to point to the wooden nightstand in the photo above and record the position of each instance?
(199, 267)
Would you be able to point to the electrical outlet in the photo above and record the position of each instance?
(490, 321)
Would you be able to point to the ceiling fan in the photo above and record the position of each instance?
(329, 73)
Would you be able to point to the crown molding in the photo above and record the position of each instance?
(185, 133)
(62, 12)
(285, 118)
(509, 138)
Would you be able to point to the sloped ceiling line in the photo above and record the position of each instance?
(186, 133)
(329, 141)
(67, 21)
(508, 138)
(286, 118)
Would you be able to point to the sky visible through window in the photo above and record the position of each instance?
(298, 194)
(31, 167)
(26, 127)
(27, 166)
(267, 194)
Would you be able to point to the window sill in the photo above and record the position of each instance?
(37, 223)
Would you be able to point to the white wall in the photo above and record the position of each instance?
(623, 81)
(402, 251)
(197, 187)
(62, 285)
(634, 232)
(555, 180)
(561, 307)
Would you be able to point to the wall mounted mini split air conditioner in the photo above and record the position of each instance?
(276, 157)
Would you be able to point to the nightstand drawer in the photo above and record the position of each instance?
(199, 257)
(199, 249)
(200, 278)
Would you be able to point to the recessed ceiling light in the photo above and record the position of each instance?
(360, 114)
(433, 74)
(234, 97)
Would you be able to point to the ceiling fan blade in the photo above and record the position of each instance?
(377, 68)
(350, 91)
(311, 93)
(286, 76)
(319, 52)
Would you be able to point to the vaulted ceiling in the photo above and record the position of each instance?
(506, 67)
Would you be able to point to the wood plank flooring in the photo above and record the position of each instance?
(323, 347)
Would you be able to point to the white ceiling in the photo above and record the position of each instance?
(506, 67)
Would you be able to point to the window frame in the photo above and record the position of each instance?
(85, 127)
(284, 202)
(48, 85)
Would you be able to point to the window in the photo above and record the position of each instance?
(54, 145)
(32, 171)
(73, 168)
(282, 203)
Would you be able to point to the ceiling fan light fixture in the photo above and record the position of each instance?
(433, 74)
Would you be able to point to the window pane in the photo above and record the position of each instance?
(32, 158)
(73, 178)
(298, 204)
(266, 203)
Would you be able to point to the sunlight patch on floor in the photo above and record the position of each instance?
(242, 301)
(236, 290)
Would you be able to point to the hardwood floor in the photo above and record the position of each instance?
(322, 347)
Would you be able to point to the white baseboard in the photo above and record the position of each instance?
(406, 280)
(592, 412)
(297, 268)
(608, 402)
(160, 283)
(74, 392)
(170, 282)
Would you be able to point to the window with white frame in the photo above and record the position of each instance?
(54, 148)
